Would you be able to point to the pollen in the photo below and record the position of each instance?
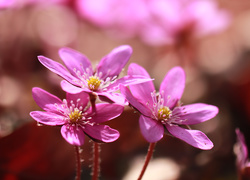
(75, 115)
(93, 83)
(164, 113)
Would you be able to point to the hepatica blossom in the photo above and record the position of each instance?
(75, 116)
(102, 81)
(160, 111)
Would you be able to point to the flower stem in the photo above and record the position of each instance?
(96, 161)
(78, 163)
(93, 98)
(148, 157)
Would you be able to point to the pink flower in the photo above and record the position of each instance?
(103, 81)
(122, 17)
(76, 117)
(21, 3)
(158, 22)
(241, 152)
(6, 3)
(176, 19)
(161, 110)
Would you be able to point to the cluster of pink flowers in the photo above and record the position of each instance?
(155, 22)
(78, 114)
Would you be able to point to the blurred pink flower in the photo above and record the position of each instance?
(6, 3)
(241, 152)
(22, 3)
(156, 22)
(102, 81)
(76, 117)
(162, 111)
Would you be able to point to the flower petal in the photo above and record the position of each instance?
(75, 61)
(128, 80)
(47, 118)
(45, 100)
(141, 91)
(105, 112)
(112, 98)
(151, 129)
(142, 108)
(57, 68)
(197, 113)
(112, 64)
(102, 133)
(68, 87)
(173, 86)
(79, 100)
(73, 134)
(193, 137)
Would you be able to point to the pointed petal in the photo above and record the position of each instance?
(197, 113)
(68, 87)
(75, 61)
(57, 68)
(105, 112)
(112, 98)
(112, 64)
(151, 129)
(173, 86)
(45, 100)
(128, 80)
(47, 118)
(141, 91)
(142, 108)
(73, 134)
(80, 99)
(102, 133)
(193, 137)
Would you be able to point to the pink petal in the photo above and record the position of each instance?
(102, 133)
(45, 100)
(68, 87)
(142, 108)
(73, 134)
(112, 98)
(173, 86)
(47, 118)
(57, 68)
(193, 137)
(208, 17)
(128, 80)
(197, 113)
(242, 153)
(80, 99)
(112, 64)
(105, 112)
(151, 129)
(141, 91)
(75, 61)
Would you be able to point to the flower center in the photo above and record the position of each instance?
(93, 83)
(164, 113)
(75, 115)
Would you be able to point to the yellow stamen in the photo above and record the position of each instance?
(93, 83)
(164, 113)
(75, 115)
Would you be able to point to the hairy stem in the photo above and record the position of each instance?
(148, 157)
(78, 163)
(96, 161)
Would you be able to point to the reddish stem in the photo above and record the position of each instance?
(96, 161)
(78, 163)
(148, 157)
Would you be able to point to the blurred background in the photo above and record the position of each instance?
(209, 39)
